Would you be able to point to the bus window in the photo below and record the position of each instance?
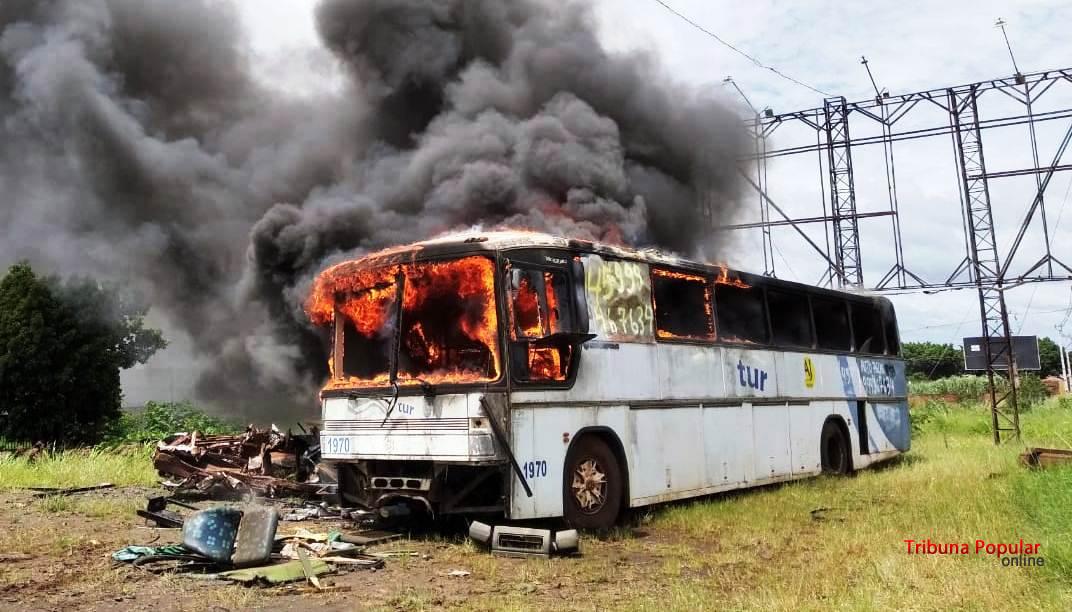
(790, 319)
(740, 314)
(831, 324)
(682, 306)
(619, 300)
(539, 308)
(867, 328)
(889, 321)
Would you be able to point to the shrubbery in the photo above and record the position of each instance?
(161, 419)
(62, 345)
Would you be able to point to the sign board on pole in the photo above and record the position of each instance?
(1025, 352)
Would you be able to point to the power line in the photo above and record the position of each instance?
(740, 52)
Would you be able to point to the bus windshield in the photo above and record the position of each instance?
(424, 323)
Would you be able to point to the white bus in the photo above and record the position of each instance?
(532, 376)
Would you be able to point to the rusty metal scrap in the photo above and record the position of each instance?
(1046, 457)
(261, 462)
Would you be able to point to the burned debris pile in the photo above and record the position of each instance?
(259, 463)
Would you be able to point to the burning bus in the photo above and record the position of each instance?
(532, 376)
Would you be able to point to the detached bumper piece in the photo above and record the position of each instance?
(524, 542)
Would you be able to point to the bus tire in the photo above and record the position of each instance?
(592, 485)
(834, 449)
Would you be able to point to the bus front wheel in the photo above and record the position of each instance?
(834, 449)
(592, 485)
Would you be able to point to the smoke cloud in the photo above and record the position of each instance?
(136, 145)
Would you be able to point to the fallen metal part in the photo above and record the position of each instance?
(1046, 457)
(308, 568)
(387, 554)
(157, 512)
(369, 537)
(511, 541)
(372, 562)
(170, 520)
(277, 574)
(305, 590)
(48, 491)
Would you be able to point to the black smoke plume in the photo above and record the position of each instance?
(136, 145)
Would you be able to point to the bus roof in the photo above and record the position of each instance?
(475, 240)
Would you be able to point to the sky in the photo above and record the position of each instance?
(911, 46)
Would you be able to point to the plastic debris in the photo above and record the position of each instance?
(131, 553)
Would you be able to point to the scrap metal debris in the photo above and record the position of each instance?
(239, 542)
(157, 512)
(510, 541)
(259, 462)
(48, 491)
(1046, 457)
(322, 511)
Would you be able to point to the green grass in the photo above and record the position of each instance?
(763, 550)
(754, 550)
(79, 468)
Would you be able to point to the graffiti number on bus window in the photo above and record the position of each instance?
(619, 299)
(534, 469)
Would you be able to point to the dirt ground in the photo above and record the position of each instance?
(55, 555)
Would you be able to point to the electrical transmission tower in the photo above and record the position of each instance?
(982, 267)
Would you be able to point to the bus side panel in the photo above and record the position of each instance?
(805, 424)
(771, 439)
(728, 445)
(540, 437)
(671, 443)
(888, 426)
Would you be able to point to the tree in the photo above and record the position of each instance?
(932, 360)
(61, 348)
(1049, 358)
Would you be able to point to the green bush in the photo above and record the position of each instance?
(1031, 391)
(967, 387)
(161, 419)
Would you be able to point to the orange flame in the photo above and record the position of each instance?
(552, 302)
(526, 310)
(364, 297)
(723, 278)
(545, 363)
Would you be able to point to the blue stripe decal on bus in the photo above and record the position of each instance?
(893, 419)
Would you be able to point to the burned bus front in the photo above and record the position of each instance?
(416, 372)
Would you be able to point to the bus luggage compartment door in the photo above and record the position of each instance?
(770, 430)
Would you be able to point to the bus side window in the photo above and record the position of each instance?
(539, 308)
(682, 306)
(889, 321)
(831, 324)
(790, 319)
(741, 314)
(867, 328)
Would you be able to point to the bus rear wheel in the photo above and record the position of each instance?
(592, 485)
(834, 449)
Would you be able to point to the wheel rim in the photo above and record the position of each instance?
(589, 486)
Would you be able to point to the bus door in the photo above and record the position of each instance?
(547, 316)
